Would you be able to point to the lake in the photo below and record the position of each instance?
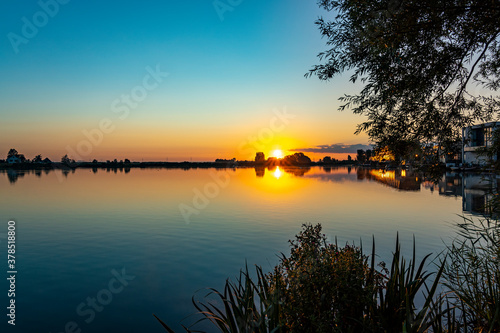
(101, 250)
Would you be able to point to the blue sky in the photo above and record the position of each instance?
(224, 77)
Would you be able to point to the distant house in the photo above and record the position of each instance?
(476, 137)
(13, 159)
(452, 156)
(47, 160)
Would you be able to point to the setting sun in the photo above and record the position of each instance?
(278, 153)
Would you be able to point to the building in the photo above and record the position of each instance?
(13, 159)
(476, 138)
(480, 193)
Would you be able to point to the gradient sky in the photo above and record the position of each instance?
(228, 75)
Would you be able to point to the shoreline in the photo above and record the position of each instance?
(166, 165)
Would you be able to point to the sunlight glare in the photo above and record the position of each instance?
(277, 173)
(278, 153)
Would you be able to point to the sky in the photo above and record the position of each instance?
(168, 80)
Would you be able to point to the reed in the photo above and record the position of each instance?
(472, 274)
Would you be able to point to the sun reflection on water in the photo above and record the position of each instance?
(277, 173)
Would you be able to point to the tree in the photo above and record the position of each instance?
(361, 156)
(66, 160)
(426, 65)
(12, 153)
(327, 160)
(368, 154)
(260, 157)
(383, 154)
(37, 159)
(322, 287)
(296, 159)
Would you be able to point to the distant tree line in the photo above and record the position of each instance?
(13, 156)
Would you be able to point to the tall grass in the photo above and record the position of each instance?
(395, 310)
(472, 274)
(247, 306)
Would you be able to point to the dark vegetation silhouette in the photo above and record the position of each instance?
(427, 67)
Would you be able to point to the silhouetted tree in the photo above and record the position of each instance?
(37, 159)
(327, 159)
(260, 157)
(368, 154)
(361, 156)
(296, 159)
(426, 65)
(66, 160)
(12, 152)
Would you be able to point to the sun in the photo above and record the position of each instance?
(278, 153)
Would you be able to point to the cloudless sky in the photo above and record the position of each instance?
(228, 75)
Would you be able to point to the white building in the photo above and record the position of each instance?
(477, 137)
(13, 159)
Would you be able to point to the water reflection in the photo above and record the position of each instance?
(451, 185)
(399, 179)
(479, 192)
(13, 175)
(277, 173)
(260, 171)
(90, 218)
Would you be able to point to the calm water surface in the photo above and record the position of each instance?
(77, 232)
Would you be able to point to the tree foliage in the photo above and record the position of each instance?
(472, 274)
(38, 159)
(428, 67)
(12, 153)
(323, 287)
